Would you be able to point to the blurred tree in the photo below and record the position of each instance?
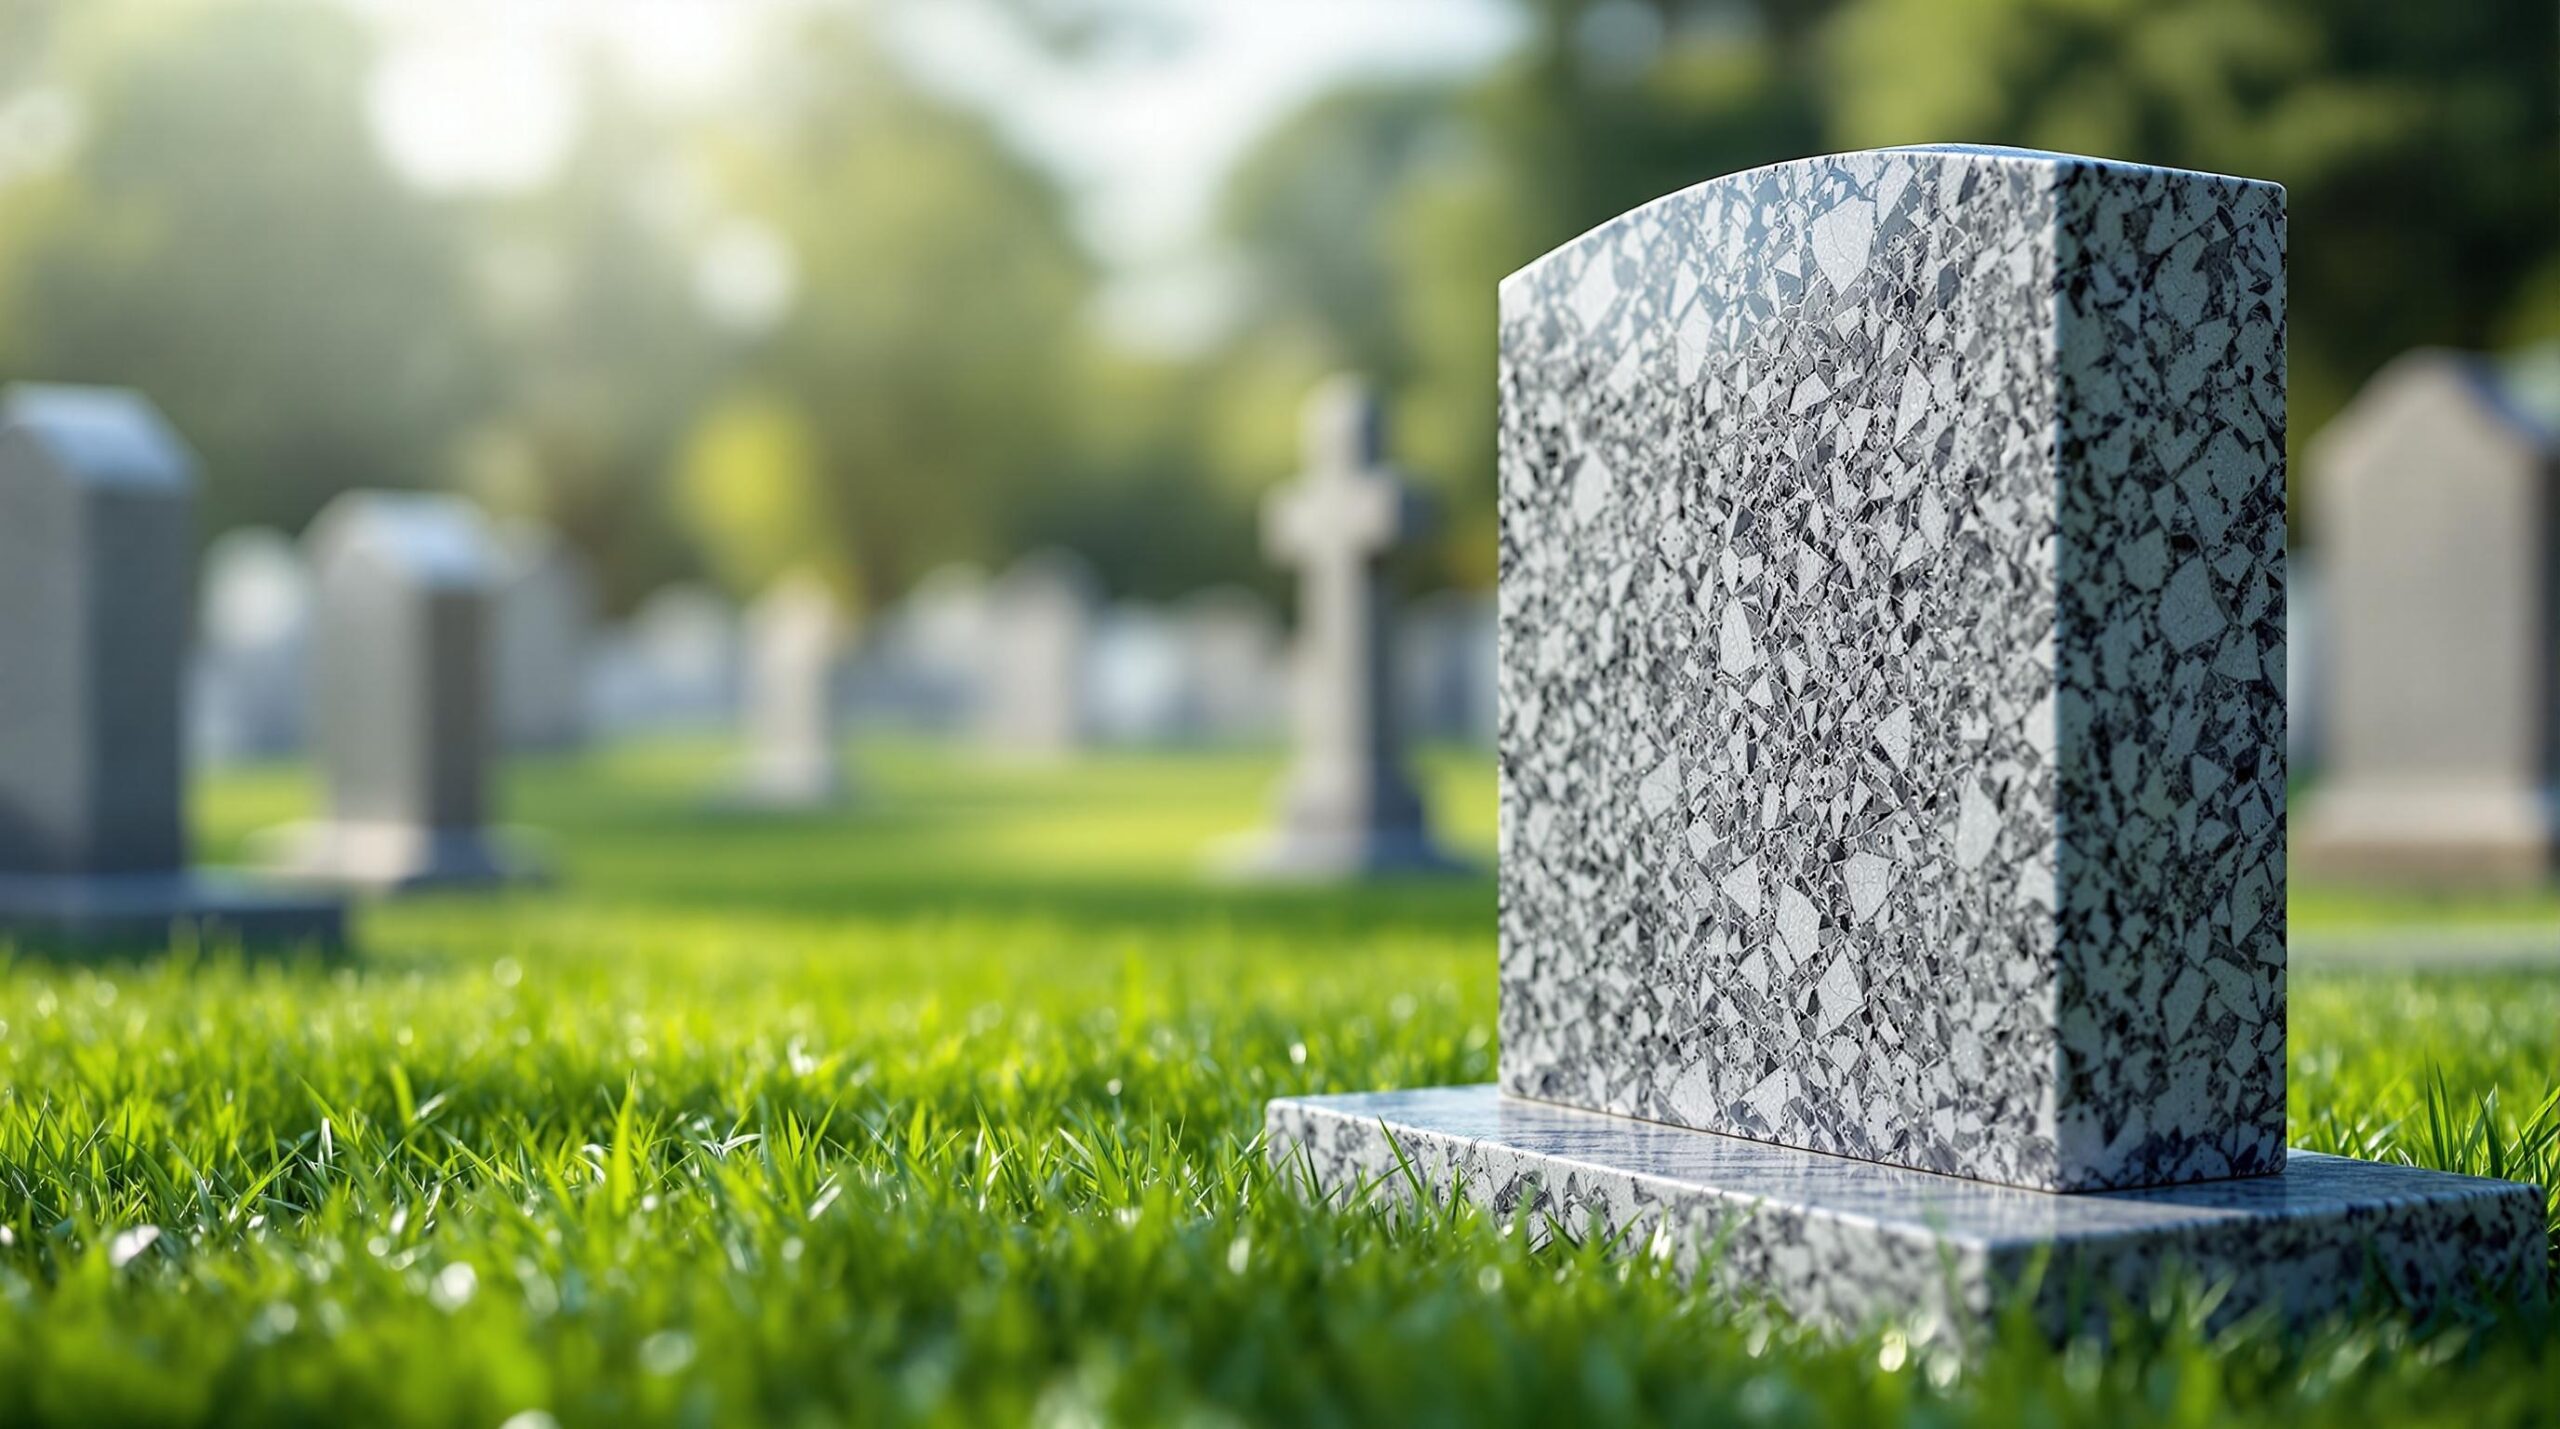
(221, 233)
(586, 287)
(2420, 144)
(938, 313)
(1382, 219)
(752, 493)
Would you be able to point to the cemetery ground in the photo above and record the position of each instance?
(945, 1108)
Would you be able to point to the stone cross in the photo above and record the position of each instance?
(1346, 809)
(402, 707)
(96, 555)
(1892, 758)
(795, 645)
(2442, 562)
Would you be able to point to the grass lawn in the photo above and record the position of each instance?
(945, 1110)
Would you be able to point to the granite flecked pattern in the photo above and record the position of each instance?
(1891, 698)
(1840, 1241)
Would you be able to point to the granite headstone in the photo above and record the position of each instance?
(1892, 763)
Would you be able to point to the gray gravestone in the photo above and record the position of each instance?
(673, 666)
(795, 642)
(1892, 758)
(96, 535)
(1034, 656)
(545, 628)
(252, 643)
(1347, 809)
(917, 667)
(2443, 586)
(1235, 676)
(402, 710)
(1134, 678)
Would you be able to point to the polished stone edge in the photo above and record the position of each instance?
(388, 859)
(146, 911)
(1842, 1241)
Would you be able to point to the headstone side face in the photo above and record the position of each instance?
(401, 671)
(95, 563)
(2169, 714)
(1793, 464)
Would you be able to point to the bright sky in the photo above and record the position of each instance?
(478, 94)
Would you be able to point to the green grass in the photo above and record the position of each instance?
(945, 1111)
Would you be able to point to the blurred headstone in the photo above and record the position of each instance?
(2441, 561)
(1347, 809)
(96, 553)
(543, 640)
(402, 710)
(2306, 665)
(1447, 661)
(253, 626)
(916, 667)
(1893, 770)
(1135, 678)
(1235, 674)
(673, 667)
(796, 636)
(1033, 656)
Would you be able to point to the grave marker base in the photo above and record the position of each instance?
(1840, 1241)
(144, 911)
(400, 858)
(1288, 856)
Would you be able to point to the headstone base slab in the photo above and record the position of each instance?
(1300, 856)
(784, 788)
(400, 858)
(2431, 834)
(144, 911)
(1845, 1242)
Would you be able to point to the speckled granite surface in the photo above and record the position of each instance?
(1840, 1241)
(1892, 717)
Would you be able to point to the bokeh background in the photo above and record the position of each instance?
(722, 288)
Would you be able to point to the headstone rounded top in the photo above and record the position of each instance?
(1345, 425)
(1052, 569)
(2424, 384)
(1876, 171)
(428, 538)
(99, 436)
